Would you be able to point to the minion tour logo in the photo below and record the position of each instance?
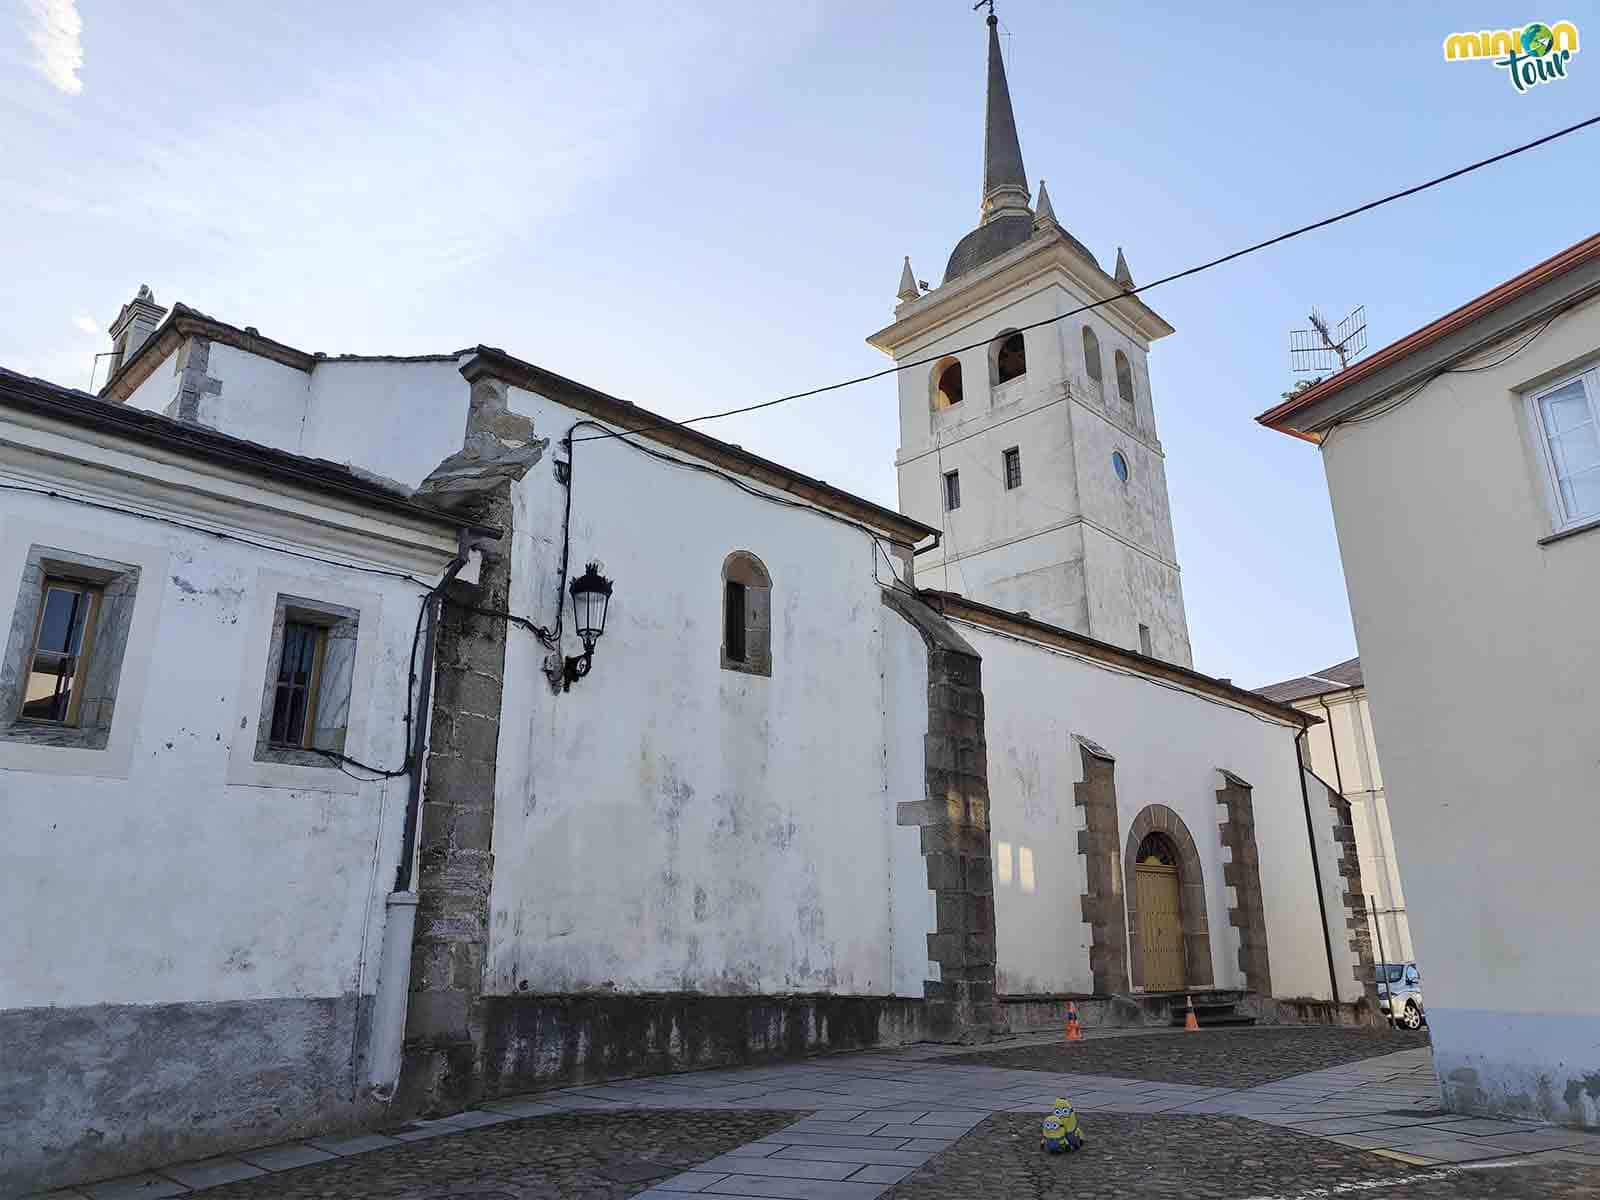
(1532, 55)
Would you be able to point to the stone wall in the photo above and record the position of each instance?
(1355, 899)
(455, 863)
(1243, 874)
(1101, 847)
(954, 819)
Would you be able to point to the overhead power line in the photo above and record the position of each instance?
(1155, 283)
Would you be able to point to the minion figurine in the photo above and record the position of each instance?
(1061, 1134)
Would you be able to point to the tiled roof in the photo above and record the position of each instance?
(1340, 677)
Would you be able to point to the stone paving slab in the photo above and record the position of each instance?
(1237, 1058)
(577, 1155)
(211, 1172)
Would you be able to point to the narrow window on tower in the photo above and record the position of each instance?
(952, 490)
(1144, 641)
(1012, 460)
(1091, 354)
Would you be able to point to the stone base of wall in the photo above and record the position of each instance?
(1269, 1010)
(97, 1091)
(1042, 1013)
(535, 1041)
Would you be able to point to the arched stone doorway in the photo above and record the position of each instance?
(1169, 939)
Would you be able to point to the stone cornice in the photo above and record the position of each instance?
(956, 607)
(184, 322)
(54, 456)
(1044, 253)
(497, 364)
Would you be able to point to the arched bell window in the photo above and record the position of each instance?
(1091, 354)
(746, 615)
(946, 384)
(1010, 357)
(1124, 379)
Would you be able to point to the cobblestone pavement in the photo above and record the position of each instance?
(582, 1156)
(846, 1127)
(1208, 1158)
(1233, 1058)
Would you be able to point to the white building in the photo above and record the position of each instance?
(765, 798)
(194, 885)
(1342, 751)
(1464, 470)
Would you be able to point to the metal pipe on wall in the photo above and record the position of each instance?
(1316, 864)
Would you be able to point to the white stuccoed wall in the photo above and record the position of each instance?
(396, 418)
(1168, 745)
(1478, 649)
(669, 825)
(181, 887)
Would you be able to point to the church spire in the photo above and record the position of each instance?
(1005, 182)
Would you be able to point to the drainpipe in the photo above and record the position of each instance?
(400, 917)
(1316, 865)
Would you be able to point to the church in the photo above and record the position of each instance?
(381, 734)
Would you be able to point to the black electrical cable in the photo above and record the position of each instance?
(1416, 391)
(1155, 283)
(216, 533)
(552, 638)
(341, 760)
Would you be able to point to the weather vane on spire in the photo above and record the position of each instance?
(981, 3)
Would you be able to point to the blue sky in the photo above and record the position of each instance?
(700, 206)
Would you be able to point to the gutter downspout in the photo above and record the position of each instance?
(1316, 865)
(400, 917)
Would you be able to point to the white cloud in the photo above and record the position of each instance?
(86, 323)
(57, 37)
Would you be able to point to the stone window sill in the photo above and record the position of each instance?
(1582, 527)
(68, 737)
(292, 757)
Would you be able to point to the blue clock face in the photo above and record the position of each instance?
(1119, 465)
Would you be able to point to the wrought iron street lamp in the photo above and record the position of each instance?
(591, 597)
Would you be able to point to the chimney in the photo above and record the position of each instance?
(138, 319)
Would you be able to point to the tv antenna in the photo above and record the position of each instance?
(1325, 349)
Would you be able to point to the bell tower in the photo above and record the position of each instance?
(1028, 437)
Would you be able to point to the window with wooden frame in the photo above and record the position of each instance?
(63, 656)
(305, 705)
(62, 643)
(294, 701)
(1566, 420)
(746, 615)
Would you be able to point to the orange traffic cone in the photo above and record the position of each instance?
(1190, 1024)
(1074, 1030)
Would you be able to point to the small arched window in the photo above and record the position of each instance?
(1124, 379)
(947, 384)
(1091, 354)
(746, 615)
(1010, 357)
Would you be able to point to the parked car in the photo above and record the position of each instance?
(1400, 994)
